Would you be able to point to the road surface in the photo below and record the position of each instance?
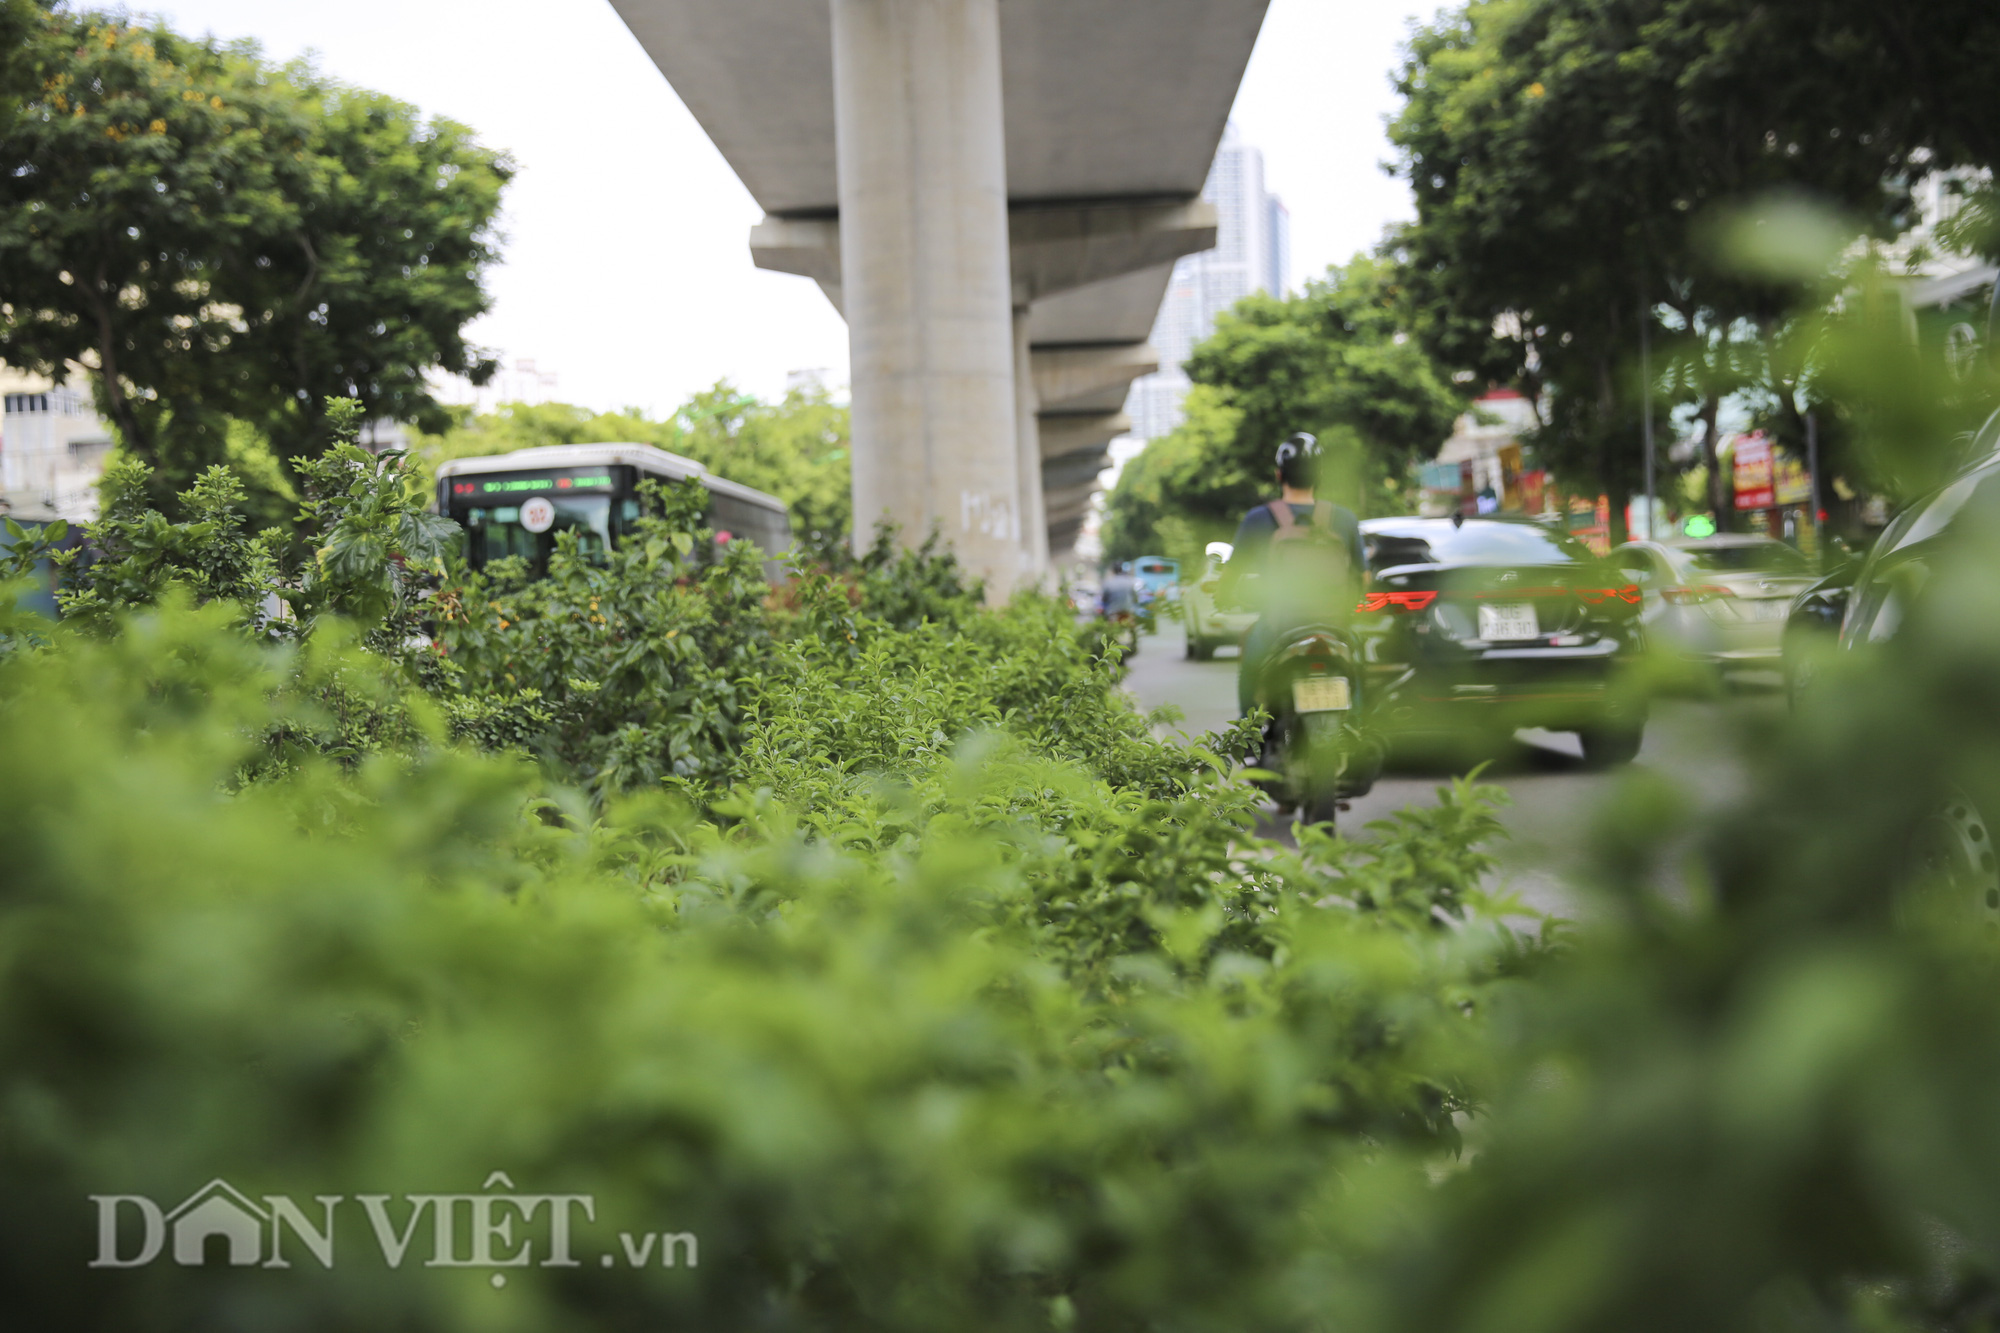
(1554, 799)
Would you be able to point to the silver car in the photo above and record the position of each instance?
(1719, 601)
(1208, 627)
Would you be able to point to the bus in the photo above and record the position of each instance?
(1158, 577)
(515, 504)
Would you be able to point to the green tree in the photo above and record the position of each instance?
(1570, 159)
(1153, 508)
(216, 238)
(796, 448)
(1335, 360)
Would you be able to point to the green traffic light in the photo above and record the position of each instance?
(1701, 525)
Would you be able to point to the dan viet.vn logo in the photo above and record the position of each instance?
(498, 1228)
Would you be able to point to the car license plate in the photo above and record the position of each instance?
(1321, 694)
(1509, 620)
(1772, 608)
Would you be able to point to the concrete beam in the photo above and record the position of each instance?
(809, 247)
(1051, 248)
(1077, 471)
(1117, 310)
(1063, 538)
(1069, 379)
(1067, 498)
(1067, 432)
(1103, 98)
(1070, 505)
(1060, 247)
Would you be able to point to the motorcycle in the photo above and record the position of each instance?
(1124, 627)
(1319, 750)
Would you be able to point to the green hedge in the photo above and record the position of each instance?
(867, 936)
(875, 947)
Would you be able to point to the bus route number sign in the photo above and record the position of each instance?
(538, 515)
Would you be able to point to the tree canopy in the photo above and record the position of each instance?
(219, 238)
(1333, 360)
(1573, 160)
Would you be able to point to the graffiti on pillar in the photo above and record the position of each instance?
(989, 515)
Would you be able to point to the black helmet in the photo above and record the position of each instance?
(1298, 462)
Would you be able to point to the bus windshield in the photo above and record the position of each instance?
(496, 530)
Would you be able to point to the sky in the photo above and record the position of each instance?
(627, 272)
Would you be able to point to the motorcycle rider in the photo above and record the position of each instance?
(1120, 592)
(1300, 556)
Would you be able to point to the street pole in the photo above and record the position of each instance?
(1646, 403)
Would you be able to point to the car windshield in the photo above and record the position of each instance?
(1749, 558)
(1475, 543)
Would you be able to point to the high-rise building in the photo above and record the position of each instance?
(1252, 254)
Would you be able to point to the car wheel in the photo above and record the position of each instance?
(1953, 850)
(1608, 745)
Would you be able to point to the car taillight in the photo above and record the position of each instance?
(1629, 594)
(1395, 601)
(1706, 592)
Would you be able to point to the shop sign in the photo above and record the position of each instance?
(1791, 484)
(1752, 465)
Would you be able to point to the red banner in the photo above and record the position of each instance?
(1754, 486)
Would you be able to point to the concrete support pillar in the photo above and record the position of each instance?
(1027, 428)
(920, 144)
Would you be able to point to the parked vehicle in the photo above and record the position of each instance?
(1494, 623)
(1716, 602)
(1819, 613)
(515, 504)
(1953, 843)
(1210, 626)
(1320, 746)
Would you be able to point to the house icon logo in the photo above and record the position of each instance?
(218, 1209)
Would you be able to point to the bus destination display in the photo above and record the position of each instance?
(540, 483)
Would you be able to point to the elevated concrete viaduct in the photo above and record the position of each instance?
(992, 192)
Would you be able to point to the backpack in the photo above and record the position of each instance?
(1314, 562)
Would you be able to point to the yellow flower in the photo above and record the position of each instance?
(1536, 90)
(216, 102)
(158, 127)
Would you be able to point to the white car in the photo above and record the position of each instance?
(1207, 627)
(1717, 601)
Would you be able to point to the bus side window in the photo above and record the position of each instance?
(728, 514)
